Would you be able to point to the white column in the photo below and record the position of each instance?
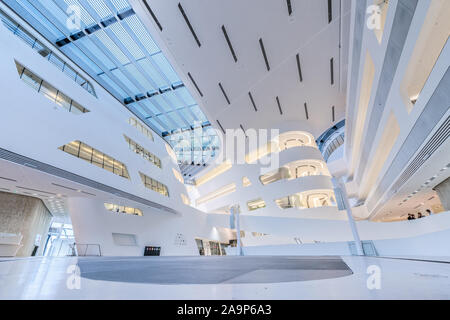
(339, 186)
(234, 210)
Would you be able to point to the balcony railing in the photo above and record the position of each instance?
(331, 139)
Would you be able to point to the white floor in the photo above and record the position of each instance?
(47, 278)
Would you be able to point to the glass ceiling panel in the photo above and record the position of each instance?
(100, 8)
(80, 58)
(141, 110)
(153, 73)
(198, 113)
(84, 15)
(139, 30)
(23, 6)
(96, 53)
(159, 101)
(127, 41)
(111, 46)
(156, 125)
(173, 100)
(55, 11)
(122, 56)
(120, 5)
(113, 85)
(176, 118)
(187, 115)
(130, 86)
(150, 106)
(165, 121)
(184, 94)
(139, 77)
(165, 67)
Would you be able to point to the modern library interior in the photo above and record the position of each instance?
(225, 150)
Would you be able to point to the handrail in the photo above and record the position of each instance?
(87, 246)
(333, 144)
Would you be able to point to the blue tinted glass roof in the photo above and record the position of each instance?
(113, 46)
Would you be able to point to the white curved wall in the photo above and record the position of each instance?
(274, 190)
(35, 127)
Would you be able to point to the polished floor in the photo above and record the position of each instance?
(223, 278)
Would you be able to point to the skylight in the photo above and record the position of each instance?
(117, 51)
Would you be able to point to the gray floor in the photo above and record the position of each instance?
(201, 278)
(213, 270)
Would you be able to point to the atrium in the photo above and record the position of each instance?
(218, 150)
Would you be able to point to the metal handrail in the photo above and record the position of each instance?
(87, 246)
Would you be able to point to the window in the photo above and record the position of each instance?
(178, 175)
(256, 204)
(246, 182)
(45, 52)
(147, 155)
(122, 209)
(223, 191)
(49, 91)
(91, 155)
(259, 234)
(154, 185)
(146, 132)
(308, 199)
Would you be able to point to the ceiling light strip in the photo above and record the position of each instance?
(8, 179)
(195, 84)
(261, 44)
(229, 43)
(189, 25)
(224, 93)
(252, 101)
(243, 130)
(220, 125)
(153, 15)
(289, 6)
(332, 71)
(279, 105)
(299, 67)
(330, 11)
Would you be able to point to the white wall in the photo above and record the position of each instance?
(35, 127)
(92, 223)
(421, 238)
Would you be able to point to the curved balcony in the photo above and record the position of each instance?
(331, 140)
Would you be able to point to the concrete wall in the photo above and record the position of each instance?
(443, 190)
(25, 215)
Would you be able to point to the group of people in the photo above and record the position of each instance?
(412, 216)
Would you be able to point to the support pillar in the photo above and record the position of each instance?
(234, 211)
(343, 203)
(443, 191)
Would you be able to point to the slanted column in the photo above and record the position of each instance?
(343, 203)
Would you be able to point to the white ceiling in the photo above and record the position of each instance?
(306, 32)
